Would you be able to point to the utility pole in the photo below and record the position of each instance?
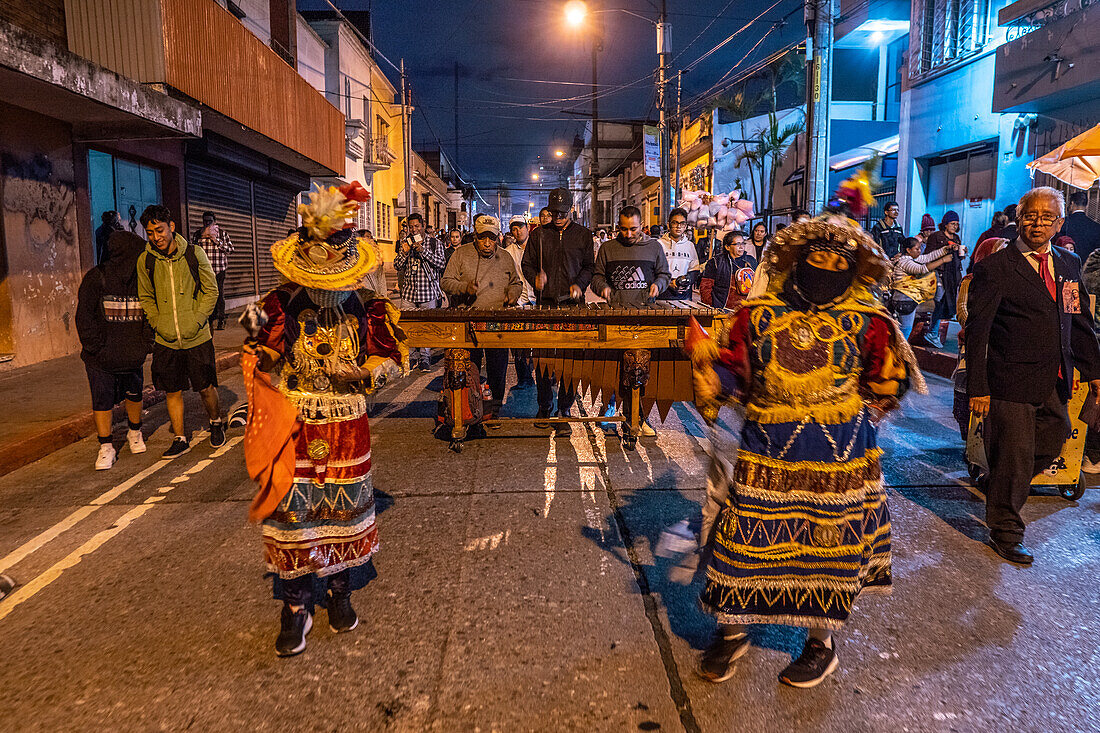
(596, 42)
(456, 114)
(819, 69)
(679, 129)
(663, 32)
(406, 135)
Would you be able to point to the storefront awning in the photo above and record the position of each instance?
(863, 153)
(1077, 162)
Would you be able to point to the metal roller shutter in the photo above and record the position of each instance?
(229, 196)
(276, 214)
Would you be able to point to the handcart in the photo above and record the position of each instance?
(1065, 472)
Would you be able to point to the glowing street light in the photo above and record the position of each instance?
(575, 12)
(559, 153)
(534, 176)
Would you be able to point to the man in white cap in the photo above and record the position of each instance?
(482, 276)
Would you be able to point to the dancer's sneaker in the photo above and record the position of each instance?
(718, 661)
(341, 616)
(292, 635)
(217, 433)
(815, 664)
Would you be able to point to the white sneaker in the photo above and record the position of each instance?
(135, 440)
(1088, 466)
(647, 430)
(106, 457)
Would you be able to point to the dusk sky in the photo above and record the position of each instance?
(507, 51)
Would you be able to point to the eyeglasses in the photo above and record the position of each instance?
(1044, 219)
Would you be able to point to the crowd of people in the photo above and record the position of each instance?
(796, 526)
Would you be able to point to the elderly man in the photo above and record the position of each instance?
(1026, 331)
(483, 276)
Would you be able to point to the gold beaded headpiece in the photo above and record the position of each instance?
(832, 233)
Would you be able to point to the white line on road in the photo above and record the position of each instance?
(53, 573)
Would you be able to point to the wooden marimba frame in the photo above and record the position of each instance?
(633, 353)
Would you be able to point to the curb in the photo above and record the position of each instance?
(940, 363)
(65, 432)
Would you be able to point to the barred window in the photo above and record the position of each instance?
(949, 30)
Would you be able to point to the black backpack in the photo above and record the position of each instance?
(192, 264)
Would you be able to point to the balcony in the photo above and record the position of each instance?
(197, 51)
(382, 156)
(1049, 67)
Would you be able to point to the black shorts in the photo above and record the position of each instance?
(111, 388)
(176, 369)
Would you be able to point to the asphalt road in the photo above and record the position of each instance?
(518, 591)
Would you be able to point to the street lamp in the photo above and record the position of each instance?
(559, 153)
(575, 13)
(534, 176)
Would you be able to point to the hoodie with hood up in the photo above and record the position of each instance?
(114, 334)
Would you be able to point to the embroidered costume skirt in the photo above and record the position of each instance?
(806, 528)
(325, 523)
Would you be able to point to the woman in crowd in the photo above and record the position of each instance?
(951, 276)
(914, 280)
(757, 240)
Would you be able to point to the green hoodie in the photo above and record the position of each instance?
(180, 320)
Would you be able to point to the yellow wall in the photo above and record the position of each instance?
(387, 184)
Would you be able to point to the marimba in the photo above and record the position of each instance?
(635, 353)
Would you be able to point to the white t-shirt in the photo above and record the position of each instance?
(681, 255)
(528, 295)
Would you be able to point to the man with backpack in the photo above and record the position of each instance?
(178, 292)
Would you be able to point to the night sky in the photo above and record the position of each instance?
(506, 115)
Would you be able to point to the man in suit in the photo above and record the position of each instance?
(1084, 232)
(1028, 327)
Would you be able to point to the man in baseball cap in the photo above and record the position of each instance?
(559, 263)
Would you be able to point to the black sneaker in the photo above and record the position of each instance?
(816, 663)
(426, 364)
(542, 414)
(178, 448)
(563, 428)
(217, 433)
(341, 616)
(292, 635)
(717, 662)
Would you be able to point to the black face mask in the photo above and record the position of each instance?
(819, 286)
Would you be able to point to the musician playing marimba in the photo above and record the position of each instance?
(559, 263)
(631, 270)
(483, 276)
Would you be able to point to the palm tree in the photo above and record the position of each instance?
(772, 143)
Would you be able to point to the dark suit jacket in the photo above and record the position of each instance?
(1084, 232)
(1017, 336)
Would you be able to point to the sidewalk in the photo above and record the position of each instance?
(47, 405)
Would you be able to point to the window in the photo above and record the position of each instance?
(948, 30)
(382, 221)
(381, 129)
(855, 74)
(962, 176)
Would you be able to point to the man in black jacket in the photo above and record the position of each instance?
(1026, 331)
(558, 262)
(1084, 232)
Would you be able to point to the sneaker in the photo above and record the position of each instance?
(816, 663)
(341, 616)
(562, 429)
(238, 418)
(106, 457)
(717, 662)
(178, 448)
(217, 433)
(1088, 466)
(542, 414)
(292, 635)
(136, 441)
(6, 586)
(646, 430)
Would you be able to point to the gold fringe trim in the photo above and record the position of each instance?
(828, 414)
(326, 407)
(755, 472)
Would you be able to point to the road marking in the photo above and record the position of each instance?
(72, 559)
(36, 584)
(405, 396)
(550, 476)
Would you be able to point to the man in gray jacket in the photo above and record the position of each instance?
(482, 276)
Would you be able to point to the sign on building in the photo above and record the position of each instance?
(651, 152)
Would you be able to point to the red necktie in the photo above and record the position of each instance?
(1045, 273)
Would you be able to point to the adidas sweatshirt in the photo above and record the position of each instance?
(629, 270)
